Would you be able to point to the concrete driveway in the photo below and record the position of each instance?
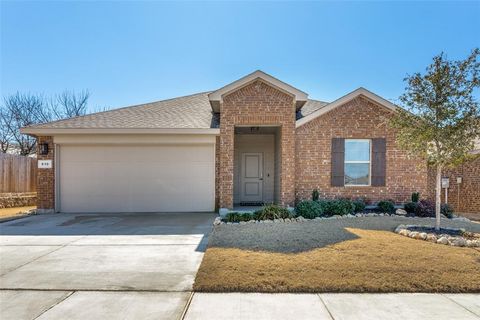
(52, 266)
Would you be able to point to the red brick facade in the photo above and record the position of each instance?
(356, 119)
(464, 196)
(305, 152)
(46, 177)
(257, 104)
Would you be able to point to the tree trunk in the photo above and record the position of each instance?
(438, 192)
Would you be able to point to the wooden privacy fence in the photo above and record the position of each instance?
(17, 173)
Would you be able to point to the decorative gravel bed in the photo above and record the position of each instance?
(219, 220)
(458, 237)
(297, 235)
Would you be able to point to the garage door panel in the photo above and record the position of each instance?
(136, 178)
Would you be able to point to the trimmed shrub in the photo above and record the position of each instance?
(340, 207)
(238, 216)
(325, 205)
(359, 205)
(271, 212)
(447, 210)
(425, 208)
(410, 207)
(309, 209)
(315, 195)
(415, 196)
(386, 206)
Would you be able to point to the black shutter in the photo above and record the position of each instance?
(379, 162)
(338, 162)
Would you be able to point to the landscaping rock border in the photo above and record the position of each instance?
(12, 200)
(443, 238)
(218, 220)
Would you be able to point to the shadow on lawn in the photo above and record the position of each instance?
(305, 236)
(282, 238)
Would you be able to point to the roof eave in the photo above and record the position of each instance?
(35, 131)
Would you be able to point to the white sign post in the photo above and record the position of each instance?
(446, 184)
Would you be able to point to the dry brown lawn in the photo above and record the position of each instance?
(11, 212)
(378, 261)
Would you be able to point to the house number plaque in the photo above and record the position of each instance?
(44, 164)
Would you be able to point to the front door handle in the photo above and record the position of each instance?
(260, 179)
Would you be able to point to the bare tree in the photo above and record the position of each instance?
(69, 104)
(5, 133)
(25, 109)
(21, 110)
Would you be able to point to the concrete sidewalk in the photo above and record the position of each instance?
(27, 304)
(334, 306)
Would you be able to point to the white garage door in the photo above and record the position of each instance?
(145, 178)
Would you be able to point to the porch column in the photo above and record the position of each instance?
(287, 173)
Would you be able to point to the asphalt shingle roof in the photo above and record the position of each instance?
(193, 111)
(309, 107)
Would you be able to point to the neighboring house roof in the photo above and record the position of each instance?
(476, 147)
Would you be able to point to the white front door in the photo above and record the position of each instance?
(252, 177)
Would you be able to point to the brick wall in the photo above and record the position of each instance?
(217, 173)
(46, 178)
(464, 197)
(358, 118)
(253, 105)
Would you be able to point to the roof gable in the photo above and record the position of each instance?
(341, 101)
(215, 97)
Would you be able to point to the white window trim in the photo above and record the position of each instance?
(354, 161)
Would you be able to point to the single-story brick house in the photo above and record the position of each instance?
(255, 140)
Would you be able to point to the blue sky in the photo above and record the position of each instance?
(127, 53)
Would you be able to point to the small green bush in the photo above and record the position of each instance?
(271, 212)
(359, 205)
(415, 196)
(410, 207)
(325, 205)
(337, 207)
(238, 216)
(315, 195)
(447, 210)
(386, 206)
(309, 209)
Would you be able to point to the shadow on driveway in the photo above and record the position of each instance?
(113, 224)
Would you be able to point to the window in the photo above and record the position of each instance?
(357, 162)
